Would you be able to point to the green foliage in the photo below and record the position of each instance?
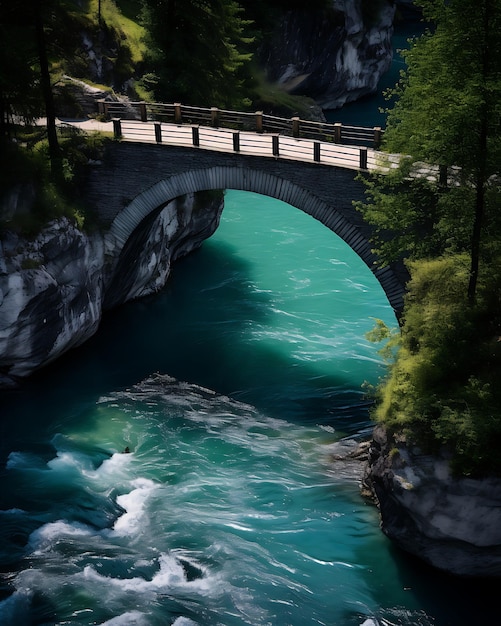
(69, 26)
(28, 164)
(116, 36)
(448, 107)
(404, 212)
(469, 424)
(271, 98)
(198, 51)
(451, 87)
(17, 166)
(381, 333)
(19, 80)
(443, 386)
(145, 87)
(126, 30)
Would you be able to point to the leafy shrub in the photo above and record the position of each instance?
(443, 385)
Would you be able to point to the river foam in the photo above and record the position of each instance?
(178, 541)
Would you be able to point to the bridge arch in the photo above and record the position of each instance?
(262, 182)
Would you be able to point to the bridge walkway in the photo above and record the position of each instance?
(249, 143)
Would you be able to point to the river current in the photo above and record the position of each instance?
(231, 389)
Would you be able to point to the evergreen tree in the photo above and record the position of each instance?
(443, 384)
(48, 97)
(447, 114)
(197, 51)
(25, 81)
(20, 94)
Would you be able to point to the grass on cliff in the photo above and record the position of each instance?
(119, 28)
(272, 99)
(123, 18)
(115, 33)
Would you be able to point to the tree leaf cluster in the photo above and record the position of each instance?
(443, 390)
(29, 169)
(198, 51)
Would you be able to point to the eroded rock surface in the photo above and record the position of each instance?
(55, 287)
(452, 523)
(334, 56)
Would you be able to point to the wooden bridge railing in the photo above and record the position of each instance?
(237, 120)
(245, 142)
(273, 145)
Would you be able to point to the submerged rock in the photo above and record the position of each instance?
(454, 524)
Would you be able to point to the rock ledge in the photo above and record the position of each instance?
(454, 524)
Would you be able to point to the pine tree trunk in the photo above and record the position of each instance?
(475, 239)
(54, 151)
(481, 169)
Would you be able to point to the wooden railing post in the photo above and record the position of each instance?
(259, 121)
(363, 158)
(377, 136)
(158, 132)
(102, 108)
(316, 151)
(117, 127)
(295, 127)
(337, 132)
(274, 143)
(143, 114)
(236, 141)
(442, 175)
(196, 135)
(214, 117)
(178, 119)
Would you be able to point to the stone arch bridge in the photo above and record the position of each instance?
(136, 178)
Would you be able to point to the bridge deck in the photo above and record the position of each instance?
(353, 155)
(256, 144)
(249, 143)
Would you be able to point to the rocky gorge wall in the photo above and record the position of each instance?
(452, 523)
(55, 287)
(335, 55)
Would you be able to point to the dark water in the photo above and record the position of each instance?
(231, 389)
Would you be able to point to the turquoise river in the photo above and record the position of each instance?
(231, 388)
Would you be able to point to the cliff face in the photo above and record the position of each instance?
(50, 295)
(451, 523)
(334, 56)
(54, 288)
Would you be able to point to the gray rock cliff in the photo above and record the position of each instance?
(334, 56)
(55, 287)
(454, 524)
